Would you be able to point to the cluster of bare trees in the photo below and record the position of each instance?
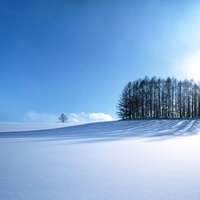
(159, 98)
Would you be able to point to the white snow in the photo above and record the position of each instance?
(119, 160)
(16, 126)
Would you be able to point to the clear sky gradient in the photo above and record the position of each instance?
(76, 56)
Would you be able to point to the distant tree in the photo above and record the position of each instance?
(63, 118)
(123, 108)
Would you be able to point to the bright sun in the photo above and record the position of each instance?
(188, 67)
(192, 67)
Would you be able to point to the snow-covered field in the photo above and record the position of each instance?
(118, 160)
(10, 126)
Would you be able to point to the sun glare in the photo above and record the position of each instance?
(192, 66)
(194, 72)
(188, 67)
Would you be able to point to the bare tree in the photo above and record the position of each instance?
(165, 98)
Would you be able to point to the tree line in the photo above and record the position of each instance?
(159, 98)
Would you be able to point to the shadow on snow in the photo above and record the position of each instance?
(115, 130)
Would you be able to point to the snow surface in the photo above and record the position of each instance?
(16, 126)
(119, 160)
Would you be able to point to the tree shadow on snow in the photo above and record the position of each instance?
(115, 130)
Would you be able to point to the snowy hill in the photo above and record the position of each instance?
(138, 159)
(110, 130)
(16, 126)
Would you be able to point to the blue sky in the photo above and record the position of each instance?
(76, 56)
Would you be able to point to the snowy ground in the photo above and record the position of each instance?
(119, 160)
(10, 126)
